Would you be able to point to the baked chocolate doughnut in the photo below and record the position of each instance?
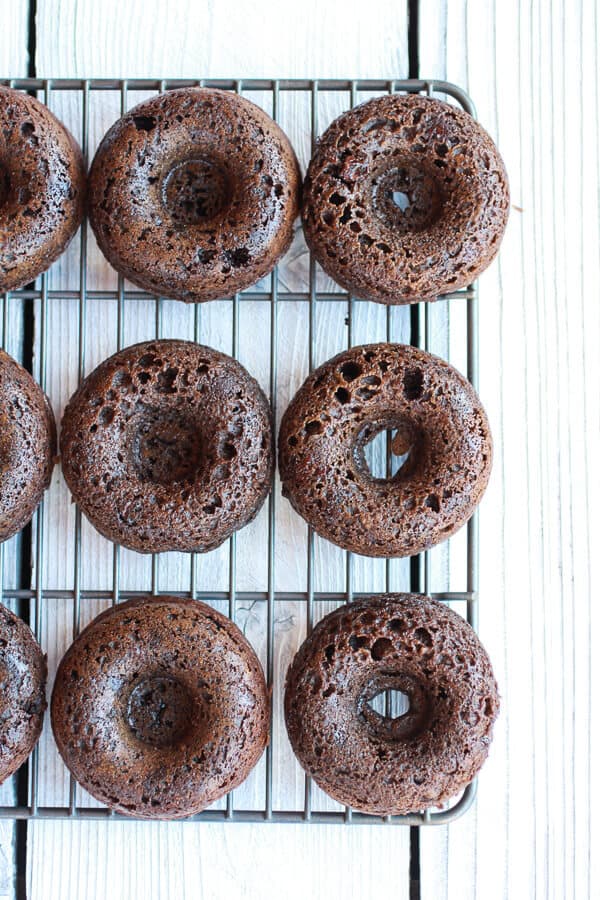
(160, 707)
(437, 419)
(405, 198)
(27, 446)
(42, 188)
(371, 762)
(193, 194)
(167, 445)
(23, 694)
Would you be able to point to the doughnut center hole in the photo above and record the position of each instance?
(407, 198)
(384, 449)
(195, 191)
(394, 706)
(167, 448)
(401, 200)
(390, 704)
(160, 711)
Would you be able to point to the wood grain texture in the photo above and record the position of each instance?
(259, 38)
(208, 39)
(14, 55)
(532, 70)
(122, 861)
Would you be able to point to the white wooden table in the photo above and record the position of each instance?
(532, 70)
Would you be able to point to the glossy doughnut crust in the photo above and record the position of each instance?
(27, 446)
(405, 198)
(160, 707)
(23, 694)
(435, 417)
(42, 188)
(193, 194)
(167, 445)
(384, 765)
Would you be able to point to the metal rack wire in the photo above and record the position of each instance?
(34, 595)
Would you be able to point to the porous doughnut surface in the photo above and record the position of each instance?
(193, 194)
(42, 188)
(378, 764)
(23, 694)
(160, 707)
(27, 446)
(405, 198)
(434, 415)
(167, 445)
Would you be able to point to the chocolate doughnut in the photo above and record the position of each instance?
(371, 762)
(405, 198)
(437, 419)
(23, 694)
(42, 188)
(167, 445)
(160, 707)
(27, 446)
(193, 194)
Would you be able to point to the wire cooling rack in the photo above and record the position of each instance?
(41, 600)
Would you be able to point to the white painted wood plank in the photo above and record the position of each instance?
(532, 71)
(126, 862)
(13, 41)
(210, 39)
(224, 39)
(13, 63)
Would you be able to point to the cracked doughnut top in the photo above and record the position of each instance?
(438, 424)
(381, 764)
(193, 194)
(160, 707)
(27, 446)
(167, 445)
(23, 694)
(42, 188)
(405, 198)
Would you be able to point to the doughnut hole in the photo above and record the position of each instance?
(395, 701)
(407, 199)
(387, 450)
(196, 191)
(160, 711)
(167, 447)
(408, 698)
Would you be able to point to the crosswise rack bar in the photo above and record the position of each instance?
(33, 598)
